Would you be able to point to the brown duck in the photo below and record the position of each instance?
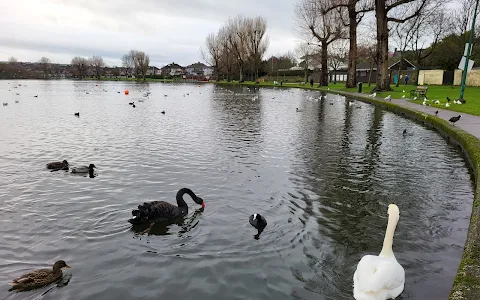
(58, 165)
(39, 278)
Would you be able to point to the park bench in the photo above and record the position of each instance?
(419, 91)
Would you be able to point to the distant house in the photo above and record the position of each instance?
(152, 70)
(198, 70)
(363, 69)
(173, 69)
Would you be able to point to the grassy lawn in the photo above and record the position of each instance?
(472, 94)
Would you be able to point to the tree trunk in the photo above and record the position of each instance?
(306, 75)
(335, 76)
(324, 71)
(352, 52)
(370, 74)
(240, 67)
(383, 80)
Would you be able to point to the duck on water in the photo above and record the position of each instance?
(83, 169)
(39, 278)
(159, 211)
(58, 165)
(259, 222)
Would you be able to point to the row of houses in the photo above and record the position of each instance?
(197, 70)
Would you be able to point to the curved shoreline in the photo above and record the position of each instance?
(467, 279)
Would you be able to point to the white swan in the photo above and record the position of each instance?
(380, 277)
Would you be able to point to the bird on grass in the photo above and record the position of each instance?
(39, 278)
(388, 98)
(447, 104)
(448, 99)
(436, 101)
(453, 120)
(373, 95)
(403, 96)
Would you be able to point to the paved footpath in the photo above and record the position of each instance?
(467, 122)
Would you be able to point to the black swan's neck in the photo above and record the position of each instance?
(180, 193)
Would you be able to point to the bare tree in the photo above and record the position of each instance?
(429, 29)
(257, 41)
(325, 26)
(45, 63)
(305, 52)
(403, 34)
(12, 60)
(127, 63)
(351, 13)
(226, 58)
(213, 52)
(398, 12)
(81, 66)
(368, 53)
(463, 16)
(237, 38)
(98, 65)
(338, 57)
(140, 62)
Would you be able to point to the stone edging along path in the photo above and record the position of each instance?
(466, 135)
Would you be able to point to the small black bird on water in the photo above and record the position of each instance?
(77, 114)
(36, 96)
(162, 112)
(259, 222)
(454, 119)
(131, 103)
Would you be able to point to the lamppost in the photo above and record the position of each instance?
(469, 50)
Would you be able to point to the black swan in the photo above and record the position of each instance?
(158, 211)
(259, 222)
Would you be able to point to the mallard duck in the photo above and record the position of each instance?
(58, 165)
(83, 169)
(39, 278)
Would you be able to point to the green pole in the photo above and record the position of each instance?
(469, 49)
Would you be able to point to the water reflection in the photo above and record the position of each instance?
(186, 224)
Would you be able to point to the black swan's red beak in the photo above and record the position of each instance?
(203, 204)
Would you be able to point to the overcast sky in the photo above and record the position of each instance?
(167, 30)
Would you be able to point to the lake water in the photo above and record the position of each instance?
(323, 178)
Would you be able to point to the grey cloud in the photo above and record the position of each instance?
(168, 31)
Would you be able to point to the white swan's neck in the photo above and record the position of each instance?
(388, 241)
